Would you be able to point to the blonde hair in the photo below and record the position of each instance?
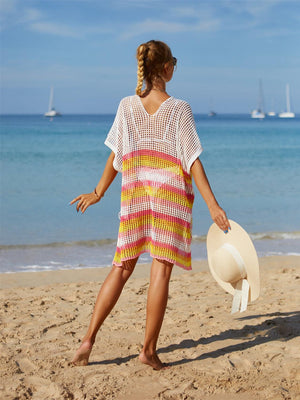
(151, 59)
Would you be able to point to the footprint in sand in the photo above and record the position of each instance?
(26, 365)
(239, 363)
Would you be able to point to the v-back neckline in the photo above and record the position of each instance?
(152, 115)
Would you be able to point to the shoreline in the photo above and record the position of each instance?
(99, 253)
(91, 274)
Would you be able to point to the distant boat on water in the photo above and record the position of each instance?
(272, 113)
(51, 110)
(259, 112)
(287, 113)
(211, 107)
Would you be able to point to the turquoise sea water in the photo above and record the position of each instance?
(253, 167)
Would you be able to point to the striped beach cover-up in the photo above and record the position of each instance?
(154, 153)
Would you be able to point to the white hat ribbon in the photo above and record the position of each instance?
(241, 293)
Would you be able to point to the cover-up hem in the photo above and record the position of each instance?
(153, 256)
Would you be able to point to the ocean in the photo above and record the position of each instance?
(253, 167)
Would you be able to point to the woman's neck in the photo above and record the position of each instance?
(162, 90)
(158, 85)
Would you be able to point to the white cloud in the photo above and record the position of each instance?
(154, 26)
(255, 9)
(7, 6)
(13, 13)
(7, 12)
(29, 15)
(54, 29)
(184, 11)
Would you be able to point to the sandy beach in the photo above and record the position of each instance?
(212, 354)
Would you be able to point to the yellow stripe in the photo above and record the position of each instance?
(157, 223)
(152, 162)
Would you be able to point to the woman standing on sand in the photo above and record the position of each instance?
(155, 146)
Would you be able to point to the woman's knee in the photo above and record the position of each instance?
(126, 269)
(165, 263)
(161, 269)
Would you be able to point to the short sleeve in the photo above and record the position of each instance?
(114, 139)
(189, 142)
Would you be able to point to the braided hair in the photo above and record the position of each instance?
(151, 59)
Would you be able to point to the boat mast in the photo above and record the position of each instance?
(51, 99)
(288, 105)
(261, 105)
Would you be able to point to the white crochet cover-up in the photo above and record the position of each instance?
(154, 153)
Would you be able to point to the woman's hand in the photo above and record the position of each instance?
(218, 215)
(85, 200)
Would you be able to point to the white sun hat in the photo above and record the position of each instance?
(233, 262)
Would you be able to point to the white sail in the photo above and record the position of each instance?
(287, 113)
(51, 110)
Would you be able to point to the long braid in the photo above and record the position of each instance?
(151, 58)
(140, 55)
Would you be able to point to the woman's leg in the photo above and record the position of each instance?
(106, 299)
(156, 306)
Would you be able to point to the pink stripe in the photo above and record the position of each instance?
(158, 202)
(143, 241)
(153, 256)
(167, 203)
(168, 174)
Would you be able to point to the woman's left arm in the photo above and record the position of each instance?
(218, 215)
(87, 199)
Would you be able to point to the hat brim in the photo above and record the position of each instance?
(240, 239)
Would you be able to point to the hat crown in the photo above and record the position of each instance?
(228, 264)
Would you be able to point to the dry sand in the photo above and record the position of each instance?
(213, 355)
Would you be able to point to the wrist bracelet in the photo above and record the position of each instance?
(96, 194)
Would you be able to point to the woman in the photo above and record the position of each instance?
(155, 146)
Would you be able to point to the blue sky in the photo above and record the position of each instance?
(86, 50)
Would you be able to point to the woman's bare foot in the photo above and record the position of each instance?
(152, 360)
(82, 355)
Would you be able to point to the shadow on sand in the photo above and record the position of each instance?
(276, 327)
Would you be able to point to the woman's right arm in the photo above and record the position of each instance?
(109, 174)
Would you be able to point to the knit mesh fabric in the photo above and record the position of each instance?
(155, 154)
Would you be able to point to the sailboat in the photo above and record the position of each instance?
(287, 113)
(211, 113)
(51, 110)
(259, 112)
(272, 113)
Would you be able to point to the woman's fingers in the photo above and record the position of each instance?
(85, 206)
(84, 201)
(220, 218)
(223, 223)
(76, 199)
(80, 204)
